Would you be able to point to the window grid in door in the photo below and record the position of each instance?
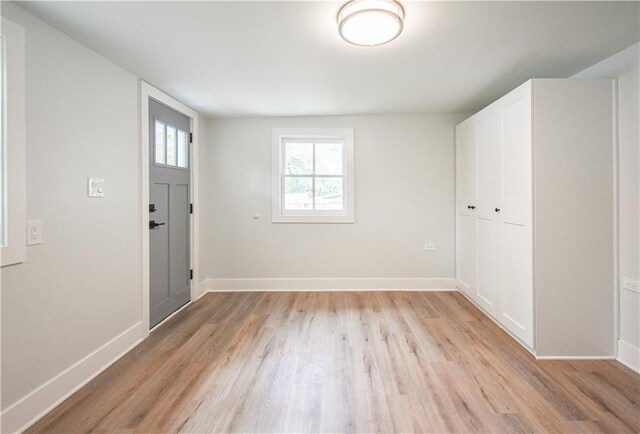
(171, 146)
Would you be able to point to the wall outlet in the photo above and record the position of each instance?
(95, 187)
(34, 232)
(430, 246)
(630, 284)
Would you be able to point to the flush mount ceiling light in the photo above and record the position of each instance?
(370, 22)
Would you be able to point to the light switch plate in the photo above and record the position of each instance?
(631, 284)
(95, 187)
(34, 232)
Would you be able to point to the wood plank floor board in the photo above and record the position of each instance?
(344, 362)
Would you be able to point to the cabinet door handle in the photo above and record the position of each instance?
(497, 209)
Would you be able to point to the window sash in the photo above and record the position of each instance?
(313, 175)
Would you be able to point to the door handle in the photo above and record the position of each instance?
(153, 224)
(471, 207)
(497, 209)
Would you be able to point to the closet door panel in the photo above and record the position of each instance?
(488, 154)
(466, 197)
(515, 282)
(466, 264)
(488, 180)
(466, 161)
(486, 292)
(514, 237)
(516, 147)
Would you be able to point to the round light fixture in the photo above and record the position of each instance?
(370, 22)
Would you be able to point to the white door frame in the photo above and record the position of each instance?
(146, 92)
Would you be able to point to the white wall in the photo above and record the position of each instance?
(404, 182)
(625, 67)
(81, 287)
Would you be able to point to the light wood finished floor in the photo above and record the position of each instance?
(345, 362)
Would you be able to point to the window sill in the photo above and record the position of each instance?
(312, 219)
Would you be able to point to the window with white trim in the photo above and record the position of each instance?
(12, 131)
(313, 175)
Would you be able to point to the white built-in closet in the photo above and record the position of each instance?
(535, 215)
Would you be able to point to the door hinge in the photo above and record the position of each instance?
(190, 274)
(190, 137)
(190, 208)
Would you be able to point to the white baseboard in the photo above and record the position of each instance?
(28, 410)
(331, 284)
(201, 289)
(575, 358)
(629, 355)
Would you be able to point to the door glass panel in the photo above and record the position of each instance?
(328, 193)
(171, 146)
(298, 158)
(328, 159)
(182, 149)
(160, 143)
(297, 193)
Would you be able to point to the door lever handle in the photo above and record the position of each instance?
(497, 209)
(471, 207)
(153, 224)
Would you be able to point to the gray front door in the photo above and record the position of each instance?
(169, 211)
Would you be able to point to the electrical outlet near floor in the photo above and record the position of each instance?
(630, 284)
(430, 246)
(34, 232)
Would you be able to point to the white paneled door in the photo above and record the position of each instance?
(465, 207)
(494, 212)
(514, 236)
(488, 127)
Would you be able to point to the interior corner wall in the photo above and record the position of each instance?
(80, 289)
(404, 198)
(624, 66)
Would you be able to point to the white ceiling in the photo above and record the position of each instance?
(286, 58)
